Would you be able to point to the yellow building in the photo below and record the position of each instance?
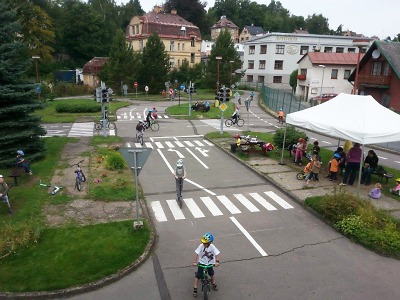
(181, 38)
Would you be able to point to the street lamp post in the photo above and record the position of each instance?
(360, 44)
(36, 58)
(230, 81)
(322, 82)
(218, 58)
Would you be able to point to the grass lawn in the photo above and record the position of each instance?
(50, 115)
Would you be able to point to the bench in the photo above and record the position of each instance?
(381, 173)
(16, 172)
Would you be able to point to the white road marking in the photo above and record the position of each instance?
(159, 145)
(198, 143)
(382, 157)
(326, 142)
(158, 211)
(198, 159)
(262, 201)
(194, 209)
(169, 144)
(175, 210)
(229, 205)
(179, 144)
(246, 203)
(180, 155)
(208, 143)
(278, 200)
(188, 143)
(202, 151)
(248, 236)
(149, 145)
(212, 207)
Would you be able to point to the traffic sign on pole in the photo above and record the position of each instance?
(135, 84)
(142, 154)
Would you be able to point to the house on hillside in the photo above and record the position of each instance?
(379, 74)
(249, 32)
(225, 24)
(325, 72)
(91, 70)
(182, 39)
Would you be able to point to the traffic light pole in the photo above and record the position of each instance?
(103, 119)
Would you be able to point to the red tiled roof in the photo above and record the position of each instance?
(224, 22)
(166, 25)
(94, 65)
(330, 58)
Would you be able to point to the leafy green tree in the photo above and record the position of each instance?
(36, 27)
(317, 24)
(122, 64)
(223, 47)
(127, 11)
(18, 128)
(293, 80)
(155, 65)
(83, 32)
(230, 9)
(192, 11)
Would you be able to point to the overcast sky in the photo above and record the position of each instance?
(369, 17)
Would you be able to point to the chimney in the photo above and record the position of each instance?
(157, 9)
(173, 11)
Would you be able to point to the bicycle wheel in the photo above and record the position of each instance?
(240, 122)
(228, 122)
(78, 184)
(98, 126)
(155, 126)
(300, 176)
(206, 290)
(111, 125)
(83, 177)
(140, 139)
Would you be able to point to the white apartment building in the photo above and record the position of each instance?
(271, 58)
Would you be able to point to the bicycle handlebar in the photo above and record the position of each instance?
(205, 266)
(78, 163)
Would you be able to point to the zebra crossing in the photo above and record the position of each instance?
(81, 129)
(172, 144)
(217, 206)
(138, 116)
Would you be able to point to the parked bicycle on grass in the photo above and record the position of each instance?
(55, 187)
(80, 176)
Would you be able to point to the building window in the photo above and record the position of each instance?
(376, 68)
(171, 63)
(263, 49)
(328, 49)
(386, 69)
(347, 74)
(192, 58)
(261, 64)
(179, 46)
(280, 49)
(351, 50)
(303, 50)
(183, 46)
(303, 72)
(261, 79)
(171, 46)
(249, 78)
(339, 50)
(136, 29)
(140, 44)
(277, 79)
(251, 64)
(334, 73)
(252, 49)
(278, 65)
(193, 41)
(179, 62)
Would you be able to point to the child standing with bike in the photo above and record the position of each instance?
(206, 256)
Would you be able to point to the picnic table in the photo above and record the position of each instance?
(255, 145)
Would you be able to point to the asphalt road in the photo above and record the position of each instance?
(271, 248)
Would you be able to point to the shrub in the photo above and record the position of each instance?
(337, 206)
(115, 161)
(352, 225)
(78, 108)
(292, 136)
(68, 89)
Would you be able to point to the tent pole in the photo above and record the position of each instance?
(360, 170)
(283, 146)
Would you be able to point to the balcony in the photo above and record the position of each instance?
(301, 77)
(374, 79)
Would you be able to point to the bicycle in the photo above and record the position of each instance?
(139, 137)
(154, 126)
(301, 176)
(179, 191)
(109, 124)
(231, 121)
(55, 187)
(80, 176)
(205, 281)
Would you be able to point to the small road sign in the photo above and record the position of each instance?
(223, 107)
(135, 84)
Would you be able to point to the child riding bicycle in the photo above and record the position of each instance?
(205, 254)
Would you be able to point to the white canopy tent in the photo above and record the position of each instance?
(360, 119)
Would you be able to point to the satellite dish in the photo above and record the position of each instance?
(376, 53)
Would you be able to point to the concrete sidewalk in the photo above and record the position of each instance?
(284, 176)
